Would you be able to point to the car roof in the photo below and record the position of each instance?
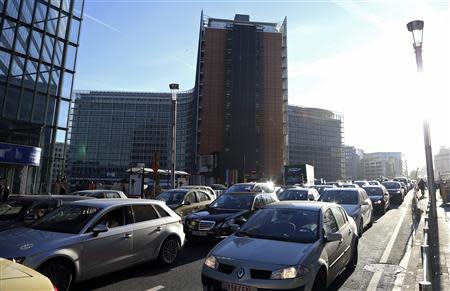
(305, 205)
(103, 203)
(246, 193)
(185, 190)
(49, 197)
(374, 186)
(96, 191)
(342, 189)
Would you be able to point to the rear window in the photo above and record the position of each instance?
(294, 195)
(391, 185)
(340, 196)
(373, 191)
(240, 188)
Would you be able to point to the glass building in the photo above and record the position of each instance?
(316, 137)
(112, 131)
(38, 47)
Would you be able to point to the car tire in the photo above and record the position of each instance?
(169, 251)
(320, 283)
(360, 228)
(371, 220)
(59, 272)
(353, 262)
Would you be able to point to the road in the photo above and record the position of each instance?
(381, 250)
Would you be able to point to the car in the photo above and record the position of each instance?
(185, 201)
(218, 187)
(101, 193)
(380, 198)
(298, 193)
(361, 183)
(355, 201)
(14, 276)
(288, 245)
(374, 183)
(405, 180)
(20, 210)
(395, 190)
(208, 189)
(334, 183)
(216, 220)
(405, 187)
(321, 188)
(85, 239)
(349, 186)
(251, 187)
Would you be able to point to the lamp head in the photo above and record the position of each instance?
(416, 28)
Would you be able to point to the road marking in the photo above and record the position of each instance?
(160, 287)
(377, 275)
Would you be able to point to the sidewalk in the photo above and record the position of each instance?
(414, 271)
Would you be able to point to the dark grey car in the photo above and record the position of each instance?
(289, 245)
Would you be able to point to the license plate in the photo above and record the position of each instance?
(199, 233)
(236, 287)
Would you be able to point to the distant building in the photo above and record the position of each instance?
(60, 158)
(442, 162)
(242, 99)
(386, 164)
(112, 131)
(353, 167)
(316, 137)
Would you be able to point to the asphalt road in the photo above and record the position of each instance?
(381, 250)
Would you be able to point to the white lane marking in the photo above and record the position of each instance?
(398, 283)
(156, 288)
(377, 276)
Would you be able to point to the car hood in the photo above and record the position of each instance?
(8, 224)
(217, 215)
(262, 250)
(350, 208)
(23, 241)
(376, 198)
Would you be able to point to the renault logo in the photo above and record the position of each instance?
(241, 273)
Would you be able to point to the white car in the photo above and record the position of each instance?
(101, 194)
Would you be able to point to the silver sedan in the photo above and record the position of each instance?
(286, 245)
(85, 239)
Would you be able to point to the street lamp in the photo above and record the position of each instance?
(416, 28)
(174, 89)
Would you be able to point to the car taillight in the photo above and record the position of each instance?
(54, 288)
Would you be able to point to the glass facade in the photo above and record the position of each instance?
(316, 137)
(112, 131)
(38, 47)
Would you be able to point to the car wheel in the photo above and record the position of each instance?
(169, 251)
(59, 272)
(353, 262)
(320, 283)
(371, 220)
(360, 228)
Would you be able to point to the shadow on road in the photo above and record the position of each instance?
(340, 280)
(188, 254)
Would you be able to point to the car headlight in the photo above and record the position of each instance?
(377, 202)
(398, 191)
(289, 273)
(211, 262)
(18, 260)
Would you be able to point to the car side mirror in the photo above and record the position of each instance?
(187, 203)
(335, 236)
(365, 202)
(240, 220)
(30, 217)
(235, 227)
(99, 228)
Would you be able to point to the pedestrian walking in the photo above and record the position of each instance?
(422, 185)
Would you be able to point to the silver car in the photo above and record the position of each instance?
(88, 238)
(101, 193)
(301, 245)
(355, 201)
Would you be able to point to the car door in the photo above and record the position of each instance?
(331, 248)
(203, 200)
(147, 232)
(111, 250)
(364, 207)
(346, 231)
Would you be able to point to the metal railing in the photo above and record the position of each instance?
(425, 284)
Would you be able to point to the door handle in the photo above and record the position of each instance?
(349, 231)
(128, 235)
(158, 228)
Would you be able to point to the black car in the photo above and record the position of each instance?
(321, 188)
(21, 210)
(395, 190)
(380, 198)
(220, 218)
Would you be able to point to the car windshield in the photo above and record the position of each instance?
(373, 183)
(233, 202)
(321, 189)
(360, 183)
(12, 209)
(391, 185)
(67, 219)
(240, 188)
(372, 191)
(87, 193)
(340, 196)
(293, 194)
(172, 197)
(285, 224)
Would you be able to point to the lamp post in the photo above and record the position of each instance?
(416, 28)
(174, 89)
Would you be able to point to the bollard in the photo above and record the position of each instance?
(425, 286)
(425, 235)
(425, 250)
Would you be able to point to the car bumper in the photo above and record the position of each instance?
(214, 280)
(209, 234)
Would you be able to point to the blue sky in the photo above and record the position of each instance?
(354, 57)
